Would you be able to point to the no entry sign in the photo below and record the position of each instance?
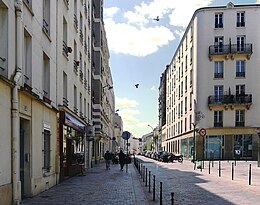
(202, 132)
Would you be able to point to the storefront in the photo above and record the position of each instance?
(72, 144)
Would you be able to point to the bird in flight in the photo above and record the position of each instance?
(157, 18)
(136, 85)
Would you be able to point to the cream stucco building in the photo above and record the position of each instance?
(211, 95)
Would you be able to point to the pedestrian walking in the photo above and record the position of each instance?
(107, 157)
(122, 159)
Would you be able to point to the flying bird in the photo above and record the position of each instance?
(157, 18)
(136, 85)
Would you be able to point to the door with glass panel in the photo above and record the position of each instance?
(218, 44)
(218, 93)
(241, 42)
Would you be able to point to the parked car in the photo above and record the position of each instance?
(163, 156)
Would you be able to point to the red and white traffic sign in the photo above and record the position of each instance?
(202, 132)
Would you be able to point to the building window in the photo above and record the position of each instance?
(186, 84)
(240, 90)
(218, 44)
(186, 105)
(218, 92)
(190, 101)
(75, 100)
(218, 69)
(46, 17)
(218, 118)
(241, 41)
(65, 49)
(219, 20)
(46, 151)
(65, 89)
(240, 118)
(191, 78)
(241, 19)
(27, 58)
(240, 68)
(46, 76)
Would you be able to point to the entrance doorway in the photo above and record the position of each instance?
(25, 157)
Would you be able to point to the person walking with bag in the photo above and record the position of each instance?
(122, 158)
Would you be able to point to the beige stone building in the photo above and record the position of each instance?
(211, 81)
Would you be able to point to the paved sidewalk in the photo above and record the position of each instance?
(98, 187)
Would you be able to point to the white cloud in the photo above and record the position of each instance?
(258, 2)
(125, 103)
(135, 41)
(110, 12)
(138, 35)
(183, 10)
(129, 113)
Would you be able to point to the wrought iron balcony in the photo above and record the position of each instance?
(45, 27)
(65, 102)
(75, 22)
(231, 100)
(81, 36)
(231, 49)
(65, 49)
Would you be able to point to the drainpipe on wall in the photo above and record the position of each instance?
(15, 108)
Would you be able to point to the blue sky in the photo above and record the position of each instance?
(140, 48)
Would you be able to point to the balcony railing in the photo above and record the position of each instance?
(75, 65)
(65, 102)
(75, 22)
(81, 75)
(240, 24)
(218, 75)
(218, 124)
(76, 110)
(80, 36)
(240, 74)
(229, 99)
(45, 27)
(231, 49)
(240, 124)
(65, 49)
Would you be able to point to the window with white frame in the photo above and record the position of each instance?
(240, 68)
(46, 16)
(240, 118)
(27, 58)
(46, 76)
(218, 20)
(241, 19)
(218, 92)
(46, 151)
(241, 43)
(218, 118)
(218, 69)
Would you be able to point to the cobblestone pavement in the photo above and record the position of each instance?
(98, 187)
(199, 187)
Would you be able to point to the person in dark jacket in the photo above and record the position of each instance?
(107, 157)
(121, 159)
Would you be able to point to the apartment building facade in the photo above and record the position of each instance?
(46, 94)
(28, 99)
(74, 84)
(211, 100)
(103, 101)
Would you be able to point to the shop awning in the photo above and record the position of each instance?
(74, 123)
